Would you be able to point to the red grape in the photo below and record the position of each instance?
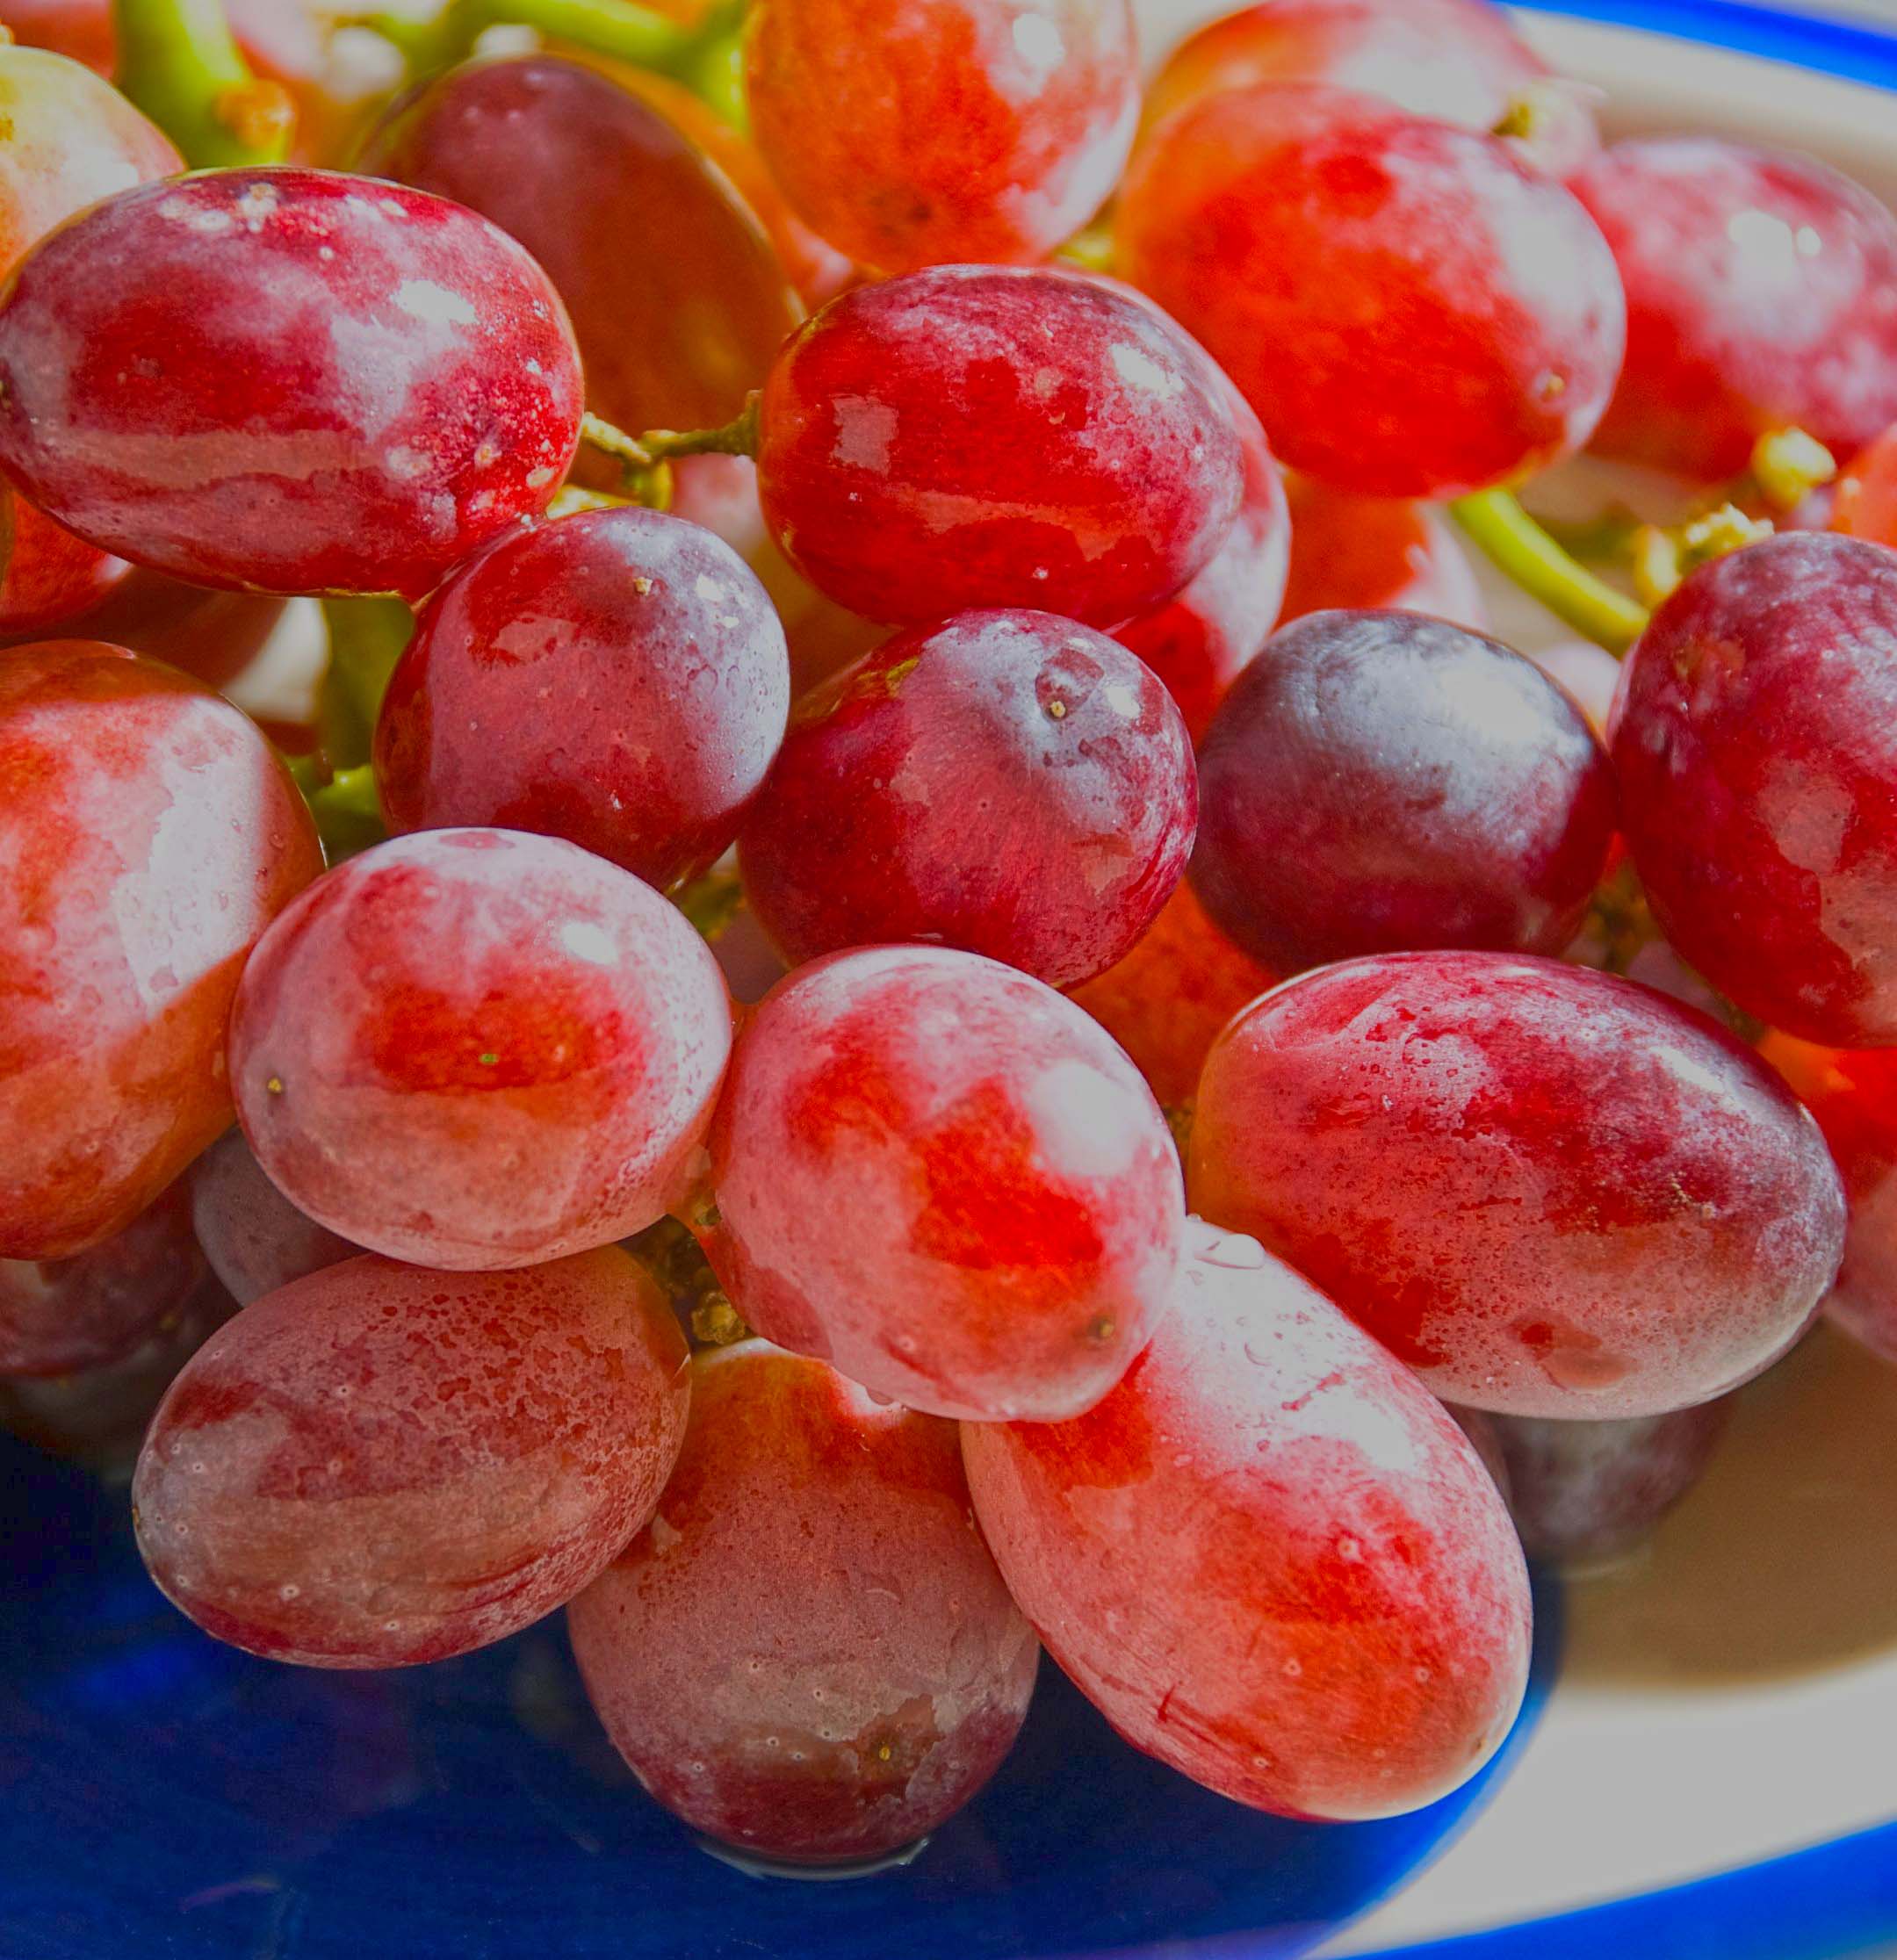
(1551, 1191)
(678, 299)
(47, 576)
(1166, 1002)
(379, 1465)
(147, 837)
(1007, 782)
(1761, 294)
(809, 1652)
(1865, 505)
(59, 1316)
(474, 1049)
(1375, 552)
(939, 1175)
(210, 635)
(1412, 312)
(254, 1239)
(1757, 757)
(286, 380)
(1268, 1556)
(1377, 780)
(976, 435)
(617, 679)
(943, 130)
(1584, 1494)
(1199, 642)
(1458, 61)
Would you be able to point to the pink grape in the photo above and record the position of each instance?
(379, 1465)
(254, 1239)
(808, 1653)
(1268, 1557)
(477, 1049)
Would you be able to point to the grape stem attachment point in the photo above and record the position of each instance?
(179, 62)
(1516, 544)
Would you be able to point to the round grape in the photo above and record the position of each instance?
(254, 1238)
(1268, 1556)
(476, 1049)
(938, 1175)
(1552, 1192)
(1007, 782)
(617, 679)
(808, 1653)
(380, 1465)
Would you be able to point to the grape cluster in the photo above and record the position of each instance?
(910, 983)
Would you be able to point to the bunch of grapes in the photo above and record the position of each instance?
(910, 983)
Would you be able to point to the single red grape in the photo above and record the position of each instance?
(1412, 310)
(808, 1653)
(1199, 642)
(1551, 1191)
(1756, 750)
(379, 1465)
(1007, 782)
(1761, 294)
(254, 1239)
(1380, 552)
(677, 297)
(47, 576)
(1268, 1556)
(979, 435)
(286, 380)
(617, 679)
(1583, 1495)
(935, 1173)
(1460, 62)
(147, 836)
(60, 1316)
(475, 1049)
(943, 130)
(1169, 999)
(1377, 780)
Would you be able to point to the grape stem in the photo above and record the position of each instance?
(617, 30)
(737, 437)
(179, 62)
(1495, 521)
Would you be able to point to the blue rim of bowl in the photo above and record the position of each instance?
(1838, 1898)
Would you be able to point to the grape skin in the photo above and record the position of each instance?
(1552, 1192)
(150, 401)
(940, 1177)
(153, 836)
(1006, 782)
(380, 1465)
(254, 1239)
(1387, 553)
(984, 437)
(47, 576)
(1269, 1557)
(477, 1049)
(1410, 310)
(619, 679)
(1755, 736)
(984, 131)
(808, 1653)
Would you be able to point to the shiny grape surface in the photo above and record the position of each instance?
(286, 380)
(1268, 1556)
(940, 1177)
(617, 679)
(1006, 782)
(808, 1653)
(1551, 1191)
(978, 437)
(983, 130)
(254, 1239)
(1761, 294)
(1756, 741)
(148, 837)
(513, 1051)
(381, 1465)
(1411, 311)
(1379, 780)
(60, 1316)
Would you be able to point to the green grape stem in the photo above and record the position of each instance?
(179, 62)
(1495, 521)
(642, 454)
(617, 30)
